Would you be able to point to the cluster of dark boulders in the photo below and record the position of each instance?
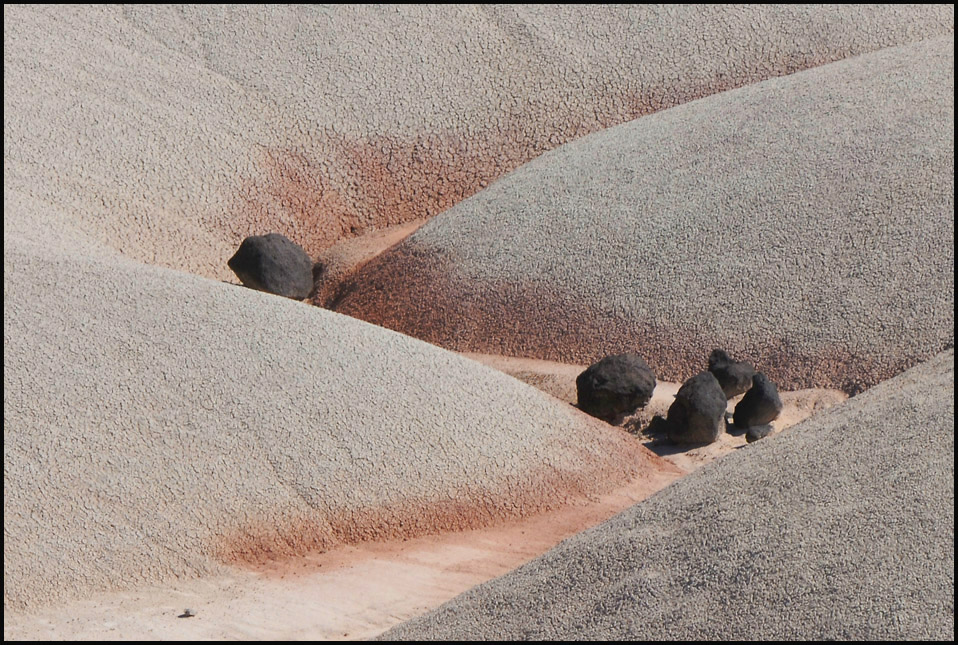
(615, 387)
(697, 417)
(275, 264)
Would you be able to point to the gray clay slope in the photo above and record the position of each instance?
(804, 223)
(158, 425)
(172, 132)
(841, 528)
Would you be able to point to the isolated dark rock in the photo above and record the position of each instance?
(758, 432)
(615, 386)
(760, 405)
(275, 264)
(735, 377)
(698, 413)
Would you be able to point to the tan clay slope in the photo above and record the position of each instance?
(841, 528)
(171, 132)
(158, 425)
(805, 223)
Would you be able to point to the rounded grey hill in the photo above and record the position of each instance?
(158, 426)
(171, 132)
(841, 528)
(805, 222)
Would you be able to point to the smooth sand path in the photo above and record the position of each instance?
(358, 591)
(347, 593)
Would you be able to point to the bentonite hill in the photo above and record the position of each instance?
(774, 180)
(805, 221)
(791, 539)
(240, 426)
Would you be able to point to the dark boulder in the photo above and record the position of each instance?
(698, 413)
(760, 405)
(275, 264)
(735, 377)
(615, 386)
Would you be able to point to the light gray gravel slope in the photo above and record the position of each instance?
(158, 424)
(841, 528)
(805, 223)
(171, 132)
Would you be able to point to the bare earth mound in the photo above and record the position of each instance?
(158, 425)
(804, 222)
(161, 428)
(172, 132)
(842, 528)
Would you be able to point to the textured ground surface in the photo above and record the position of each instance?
(349, 592)
(804, 222)
(357, 591)
(159, 426)
(172, 132)
(157, 423)
(841, 528)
